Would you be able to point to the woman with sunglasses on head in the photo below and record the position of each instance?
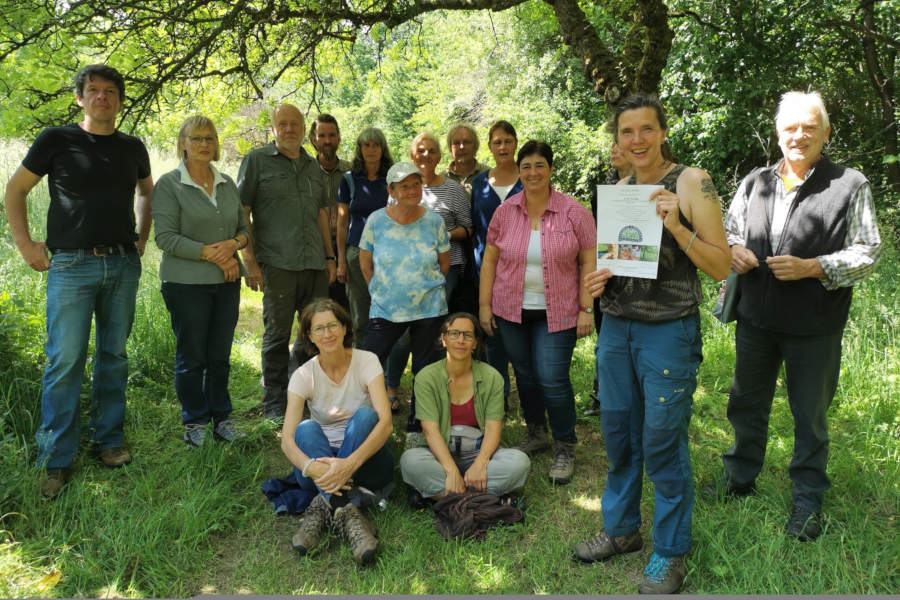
(459, 401)
(346, 434)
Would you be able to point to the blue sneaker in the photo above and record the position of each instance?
(663, 575)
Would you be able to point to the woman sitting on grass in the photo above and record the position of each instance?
(346, 434)
(460, 404)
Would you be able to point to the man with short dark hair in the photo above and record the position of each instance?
(325, 137)
(291, 258)
(802, 233)
(93, 269)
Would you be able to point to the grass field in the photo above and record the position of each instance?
(178, 522)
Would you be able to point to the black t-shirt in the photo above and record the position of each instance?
(92, 179)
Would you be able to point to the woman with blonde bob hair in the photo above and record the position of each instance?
(200, 226)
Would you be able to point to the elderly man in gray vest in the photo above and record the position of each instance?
(802, 233)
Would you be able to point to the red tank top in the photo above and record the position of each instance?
(463, 414)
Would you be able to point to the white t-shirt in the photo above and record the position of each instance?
(533, 297)
(502, 191)
(332, 404)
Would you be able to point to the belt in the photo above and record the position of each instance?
(101, 250)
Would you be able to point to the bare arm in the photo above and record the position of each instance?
(486, 288)
(454, 483)
(142, 212)
(697, 197)
(325, 229)
(343, 223)
(340, 470)
(34, 253)
(366, 265)
(459, 233)
(444, 262)
(587, 263)
(476, 474)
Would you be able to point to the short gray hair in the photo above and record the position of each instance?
(456, 127)
(805, 99)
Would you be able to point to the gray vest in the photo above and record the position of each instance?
(816, 225)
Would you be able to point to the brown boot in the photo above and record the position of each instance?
(315, 519)
(54, 481)
(358, 531)
(603, 546)
(535, 439)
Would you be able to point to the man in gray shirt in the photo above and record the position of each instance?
(291, 258)
(325, 136)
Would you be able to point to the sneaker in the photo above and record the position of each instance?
(315, 519)
(194, 434)
(118, 456)
(603, 546)
(227, 432)
(804, 524)
(535, 439)
(563, 462)
(663, 575)
(358, 531)
(54, 481)
(593, 411)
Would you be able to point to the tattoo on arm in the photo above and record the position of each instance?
(709, 190)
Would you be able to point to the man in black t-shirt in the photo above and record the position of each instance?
(94, 266)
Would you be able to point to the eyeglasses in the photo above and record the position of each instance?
(453, 334)
(330, 327)
(197, 139)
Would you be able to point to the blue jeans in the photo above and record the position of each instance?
(203, 319)
(81, 287)
(541, 361)
(374, 474)
(647, 376)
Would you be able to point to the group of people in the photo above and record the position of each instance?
(369, 252)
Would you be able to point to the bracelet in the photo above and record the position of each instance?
(237, 240)
(306, 466)
(690, 243)
(331, 258)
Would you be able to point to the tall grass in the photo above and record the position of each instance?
(178, 522)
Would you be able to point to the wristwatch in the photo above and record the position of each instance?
(588, 309)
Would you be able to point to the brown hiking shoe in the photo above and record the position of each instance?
(603, 546)
(54, 481)
(315, 519)
(115, 457)
(358, 531)
(563, 462)
(535, 440)
(663, 575)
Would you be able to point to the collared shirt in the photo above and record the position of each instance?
(433, 395)
(332, 185)
(844, 268)
(566, 228)
(217, 179)
(466, 181)
(284, 195)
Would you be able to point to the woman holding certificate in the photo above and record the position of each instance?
(649, 349)
(540, 244)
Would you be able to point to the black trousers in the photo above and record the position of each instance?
(812, 365)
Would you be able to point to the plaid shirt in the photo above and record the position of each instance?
(844, 268)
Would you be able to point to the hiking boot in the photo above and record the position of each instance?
(358, 531)
(603, 546)
(663, 575)
(315, 519)
(535, 439)
(804, 524)
(194, 434)
(563, 462)
(54, 481)
(227, 432)
(724, 490)
(118, 456)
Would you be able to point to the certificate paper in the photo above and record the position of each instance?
(629, 231)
